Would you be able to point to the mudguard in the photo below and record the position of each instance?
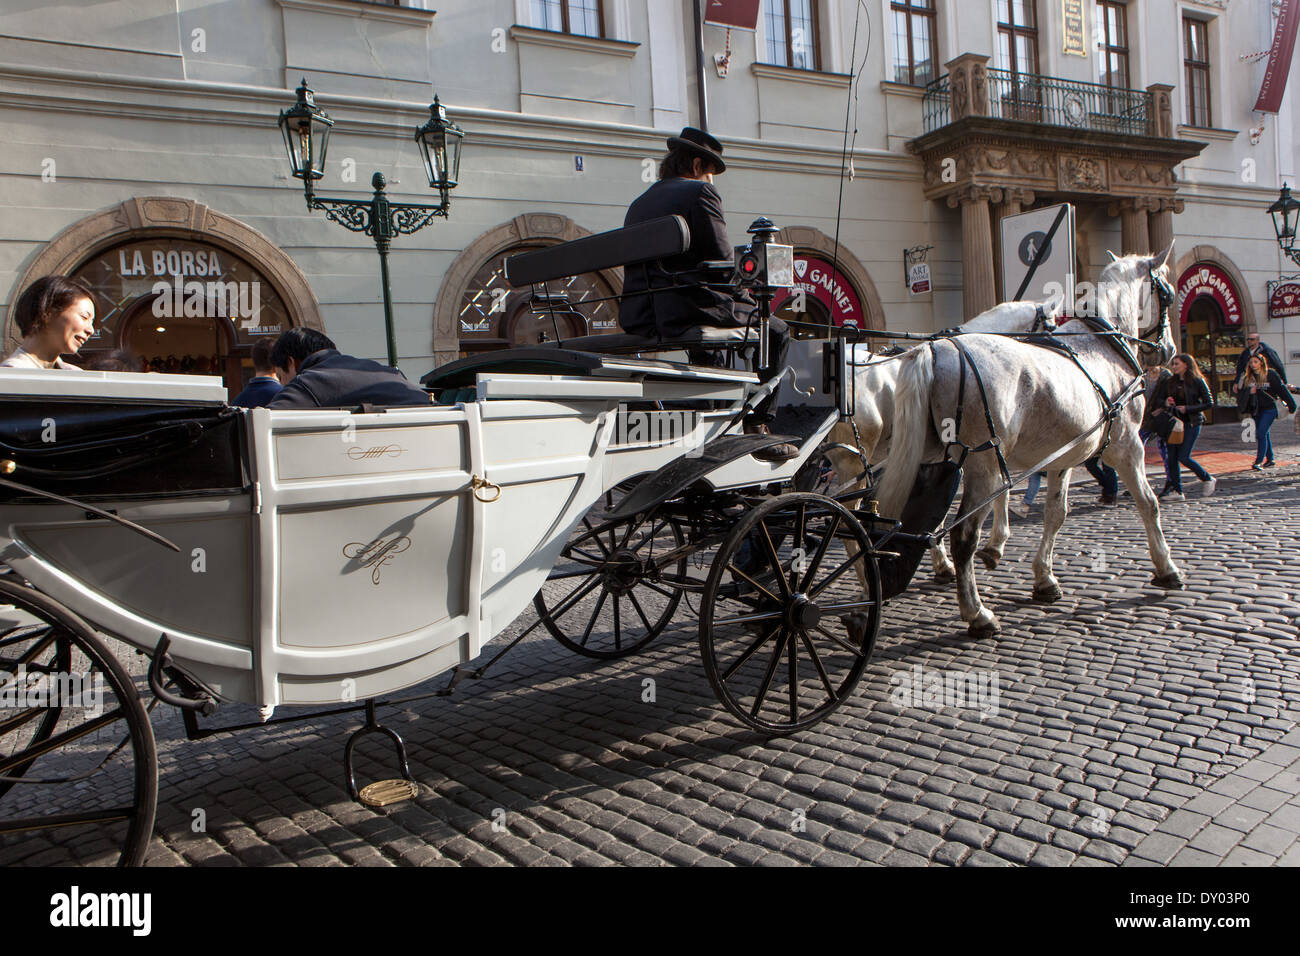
(932, 496)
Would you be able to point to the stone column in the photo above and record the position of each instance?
(1134, 239)
(979, 293)
(1160, 223)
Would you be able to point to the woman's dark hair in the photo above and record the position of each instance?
(46, 298)
(118, 360)
(678, 163)
(1193, 371)
(297, 344)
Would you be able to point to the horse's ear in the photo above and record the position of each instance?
(1159, 259)
(1113, 257)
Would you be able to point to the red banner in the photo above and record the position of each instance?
(1279, 59)
(741, 14)
(1285, 301)
(1204, 279)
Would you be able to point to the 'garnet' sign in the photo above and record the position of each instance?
(1285, 300)
(1204, 279)
(817, 278)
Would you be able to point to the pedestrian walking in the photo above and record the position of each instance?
(1259, 390)
(1255, 347)
(1107, 477)
(1180, 402)
(1147, 431)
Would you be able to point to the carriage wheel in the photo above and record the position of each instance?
(77, 757)
(610, 569)
(786, 628)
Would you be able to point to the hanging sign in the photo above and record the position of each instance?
(1204, 279)
(1279, 59)
(818, 278)
(918, 278)
(1073, 30)
(1285, 300)
(738, 14)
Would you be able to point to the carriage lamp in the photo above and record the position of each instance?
(306, 129)
(1285, 213)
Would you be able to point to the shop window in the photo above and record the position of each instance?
(791, 34)
(493, 314)
(180, 306)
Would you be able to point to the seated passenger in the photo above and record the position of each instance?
(55, 316)
(685, 188)
(317, 375)
(263, 386)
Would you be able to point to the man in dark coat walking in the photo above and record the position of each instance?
(685, 188)
(1255, 347)
(317, 375)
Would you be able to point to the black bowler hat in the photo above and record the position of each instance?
(701, 144)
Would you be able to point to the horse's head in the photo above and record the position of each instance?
(1134, 295)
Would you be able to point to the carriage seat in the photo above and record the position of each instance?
(623, 343)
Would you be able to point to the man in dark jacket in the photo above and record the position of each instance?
(263, 386)
(1253, 347)
(685, 188)
(319, 376)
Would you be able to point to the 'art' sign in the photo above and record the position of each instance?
(1285, 301)
(817, 278)
(1204, 279)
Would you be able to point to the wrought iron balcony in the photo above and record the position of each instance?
(1045, 100)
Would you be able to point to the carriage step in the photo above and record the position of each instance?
(383, 793)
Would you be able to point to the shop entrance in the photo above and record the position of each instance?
(1212, 332)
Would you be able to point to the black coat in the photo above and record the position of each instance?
(1195, 394)
(330, 379)
(1263, 398)
(671, 314)
(1274, 362)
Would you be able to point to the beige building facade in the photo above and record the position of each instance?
(142, 154)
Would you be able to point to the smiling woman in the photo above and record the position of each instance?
(55, 316)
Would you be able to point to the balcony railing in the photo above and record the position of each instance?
(1047, 100)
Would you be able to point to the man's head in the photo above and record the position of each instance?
(293, 347)
(693, 155)
(1252, 340)
(262, 364)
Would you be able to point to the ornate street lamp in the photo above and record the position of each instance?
(1286, 213)
(306, 128)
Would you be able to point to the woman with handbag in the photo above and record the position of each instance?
(1258, 391)
(1180, 401)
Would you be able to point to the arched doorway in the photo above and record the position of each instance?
(1212, 327)
(832, 288)
(171, 260)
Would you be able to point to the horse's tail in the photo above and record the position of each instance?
(911, 429)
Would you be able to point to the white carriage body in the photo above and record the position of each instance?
(358, 557)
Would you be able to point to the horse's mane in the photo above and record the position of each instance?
(1117, 294)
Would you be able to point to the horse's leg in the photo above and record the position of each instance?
(965, 540)
(944, 571)
(991, 553)
(1126, 456)
(1055, 508)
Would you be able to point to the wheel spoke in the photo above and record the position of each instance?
(749, 652)
(853, 606)
(29, 824)
(10, 724)
(631, 596)
(774, 559)
(822, 547)
(595, 536)
(653, 533)
(794, 680)
(586, 634)
(855, 651)
(770, 673)
(749, 618)
(735, 570)
(583, 572)
(618, 629)
(657, 589)
(59, 740)
(800, 525)
(595, 559)
(24, 634)
(831, 578)
(576, 595)
(817, 663)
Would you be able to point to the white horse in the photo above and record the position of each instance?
(1039, 402)
(875, 379)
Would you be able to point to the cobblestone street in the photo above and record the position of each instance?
(1127, 725)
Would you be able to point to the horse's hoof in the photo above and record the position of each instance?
(1049, 594)
(1173, 581)
(987, 629)
(989, 557)
(945, 577)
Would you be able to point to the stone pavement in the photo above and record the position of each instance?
(1126, 725)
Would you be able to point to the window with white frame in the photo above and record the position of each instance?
(913, 23)
(578, 17)
(790, 34)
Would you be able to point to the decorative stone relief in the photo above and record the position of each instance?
(1081, 174)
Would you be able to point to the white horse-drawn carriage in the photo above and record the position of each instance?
(332, 557)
